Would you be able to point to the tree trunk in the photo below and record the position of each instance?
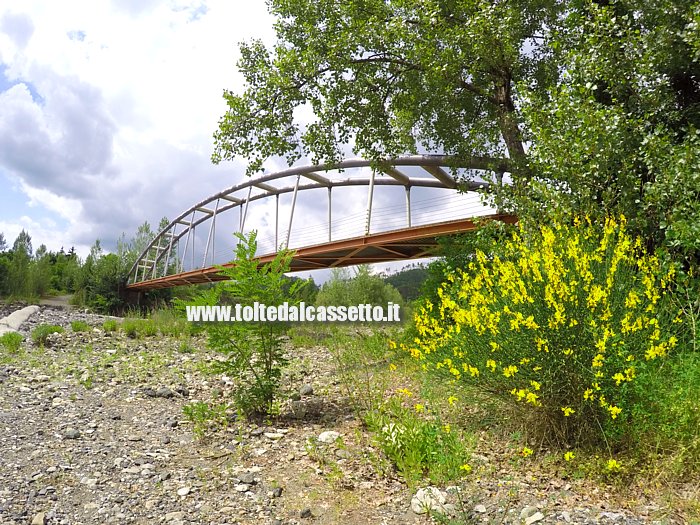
(508, 124)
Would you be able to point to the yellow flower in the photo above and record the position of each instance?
(404, 391)
(613, 466)
(392, 367)
(510, 371)
(525, 452)
(451, 400)
(614, 411)
(567, 411)
(447, 428)
(569, 456)
(532, 398)
(418, 407)
(466, 468)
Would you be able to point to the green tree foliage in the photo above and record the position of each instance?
(363, 288)
(408, 282)
(40, 272)
(18, 273)
(24, 276)
(254, 354)
(388, 77)
(101, 280)
(605, 93)
(619, 132)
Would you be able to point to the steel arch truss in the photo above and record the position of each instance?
(154, 267)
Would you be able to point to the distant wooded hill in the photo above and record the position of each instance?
(408, 282)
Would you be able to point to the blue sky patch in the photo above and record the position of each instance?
(6, 83)
(78, 36)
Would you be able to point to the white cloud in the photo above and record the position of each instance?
(109, 114)
(110, 117)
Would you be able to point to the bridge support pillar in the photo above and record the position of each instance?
(131, 297)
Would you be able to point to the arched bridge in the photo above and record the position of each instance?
(184, 252)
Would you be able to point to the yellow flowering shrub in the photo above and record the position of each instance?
(561, 320)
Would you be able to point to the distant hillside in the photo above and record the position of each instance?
(408, 282)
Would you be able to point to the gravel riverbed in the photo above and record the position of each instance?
(92, 431)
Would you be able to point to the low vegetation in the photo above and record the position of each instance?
(11, 341)
(42, 332)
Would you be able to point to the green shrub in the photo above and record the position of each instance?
(11, 341)
(110, 325)
(168, 323)
(561, 320)
(363, 287)
(204, 416)
(136, 328)
(130, 327)
(147, 327)
(185, 348)
(79, 326)
(254, 354)
(417, 443)
(43, 331)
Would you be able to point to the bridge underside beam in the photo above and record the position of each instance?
(396, 245)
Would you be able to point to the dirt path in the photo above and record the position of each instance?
(62, 301)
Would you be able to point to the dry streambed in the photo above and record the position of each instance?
(92, 431)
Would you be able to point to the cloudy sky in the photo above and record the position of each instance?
(107, 110)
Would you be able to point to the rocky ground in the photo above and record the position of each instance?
(92, 430)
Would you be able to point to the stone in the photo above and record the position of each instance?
(172, 516)
(481, 509)
(342, 453)
(277, 492)
(242, 487)
(527, 512)
(39, 519)
(248, 478)
(306, 390)
(71, 433)
(183, 491)
(537, 516)
(274, 436)
(306, 513)
(328, 437)
(165, 392)
(612, 516)
(182, 390)
(428, 499)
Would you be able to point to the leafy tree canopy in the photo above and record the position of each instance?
(389, 76)
(596, 103)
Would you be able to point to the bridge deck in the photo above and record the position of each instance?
(395, 245)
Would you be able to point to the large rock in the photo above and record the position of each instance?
(12, 322)
(328, 437)
(429, 499)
